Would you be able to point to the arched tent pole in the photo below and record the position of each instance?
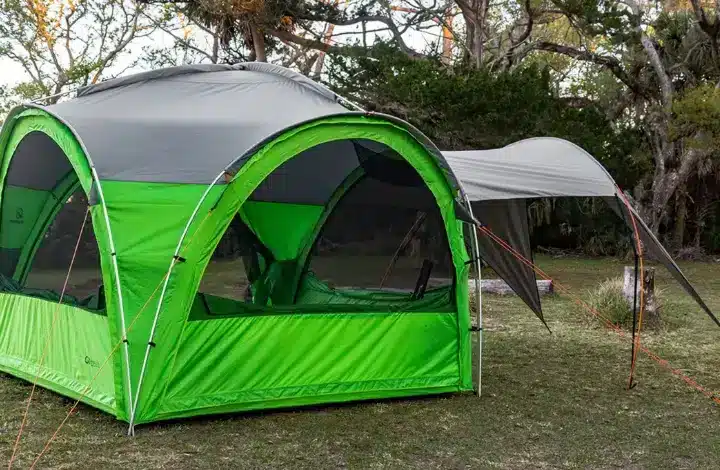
(111, 242)
(173, 262)
(420, 138)
(42, 99)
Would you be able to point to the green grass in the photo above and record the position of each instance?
(549, 401)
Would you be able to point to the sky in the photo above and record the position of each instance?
(12, 73)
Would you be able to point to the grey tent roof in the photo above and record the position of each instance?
(187, 124)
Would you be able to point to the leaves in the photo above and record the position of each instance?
(62, 44)
(697, 116)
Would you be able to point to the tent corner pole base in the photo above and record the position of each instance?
(479, 368)
(475, 245)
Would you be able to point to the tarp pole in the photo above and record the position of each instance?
(478, 295)
(634, 314)
(173, 262)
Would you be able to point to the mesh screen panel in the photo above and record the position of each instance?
(382, 242)
(49, 267)
(237, 259)
(367, 221)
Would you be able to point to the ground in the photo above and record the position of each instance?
(549, 401)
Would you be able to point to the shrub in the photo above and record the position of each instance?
(609, 301)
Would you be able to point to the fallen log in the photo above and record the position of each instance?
(498, 286)
(490, 286)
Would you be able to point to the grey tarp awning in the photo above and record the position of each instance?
(537, 168)
(508, 220)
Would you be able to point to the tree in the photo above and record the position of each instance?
(656, 58)
(62, 44)
(300, 33)
(462, 107)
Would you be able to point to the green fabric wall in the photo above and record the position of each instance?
(78, 346)
(210, 227)
(271, 360)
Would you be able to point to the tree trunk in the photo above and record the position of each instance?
(479, 39)
(258, 44)
(651, 310)
(680, 219)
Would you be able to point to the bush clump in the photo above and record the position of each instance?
(608, 300)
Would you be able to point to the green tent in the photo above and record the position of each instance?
(180, 164)
(169, 161)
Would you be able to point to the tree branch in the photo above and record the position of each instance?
(609, 62)
(128, 34)
(183, 42)
(396, 33)
(330, 49)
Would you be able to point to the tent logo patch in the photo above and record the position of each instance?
(91, 362)
(19, 216)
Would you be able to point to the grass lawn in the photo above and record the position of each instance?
(549, 401)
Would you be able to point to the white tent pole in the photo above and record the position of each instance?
(111, 242)
(478, 295)
(56, 95)
(118, 287)
(173, 262)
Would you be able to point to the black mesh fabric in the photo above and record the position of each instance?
(382, 242)
(383, 231)
(238, 261)
(48, 269)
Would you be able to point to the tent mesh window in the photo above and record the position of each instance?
(332, 225)
(398, 244)
(47, 271)
(42, 213)
(234, 264)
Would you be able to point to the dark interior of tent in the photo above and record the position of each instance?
(44, 216)
(363, 234)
